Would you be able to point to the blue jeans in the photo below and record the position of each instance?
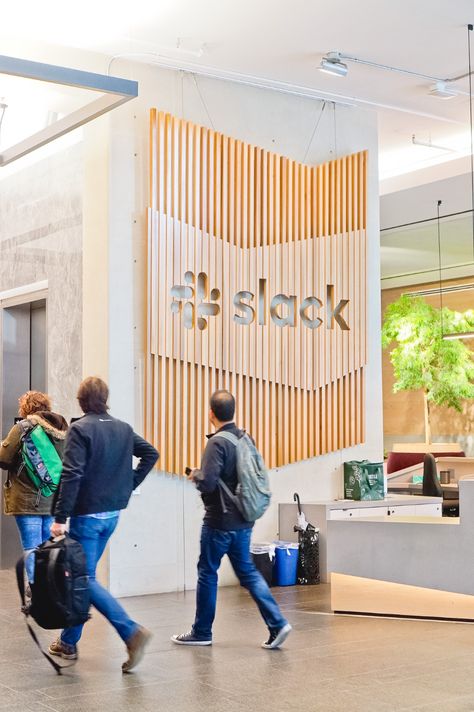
(34, 530)
(94, 534)
(215, 543)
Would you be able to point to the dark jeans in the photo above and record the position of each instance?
(215, 543)
(34, 530)
(94, 534)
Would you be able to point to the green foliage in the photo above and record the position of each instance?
(422, 359)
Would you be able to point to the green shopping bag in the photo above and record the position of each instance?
(363, 480)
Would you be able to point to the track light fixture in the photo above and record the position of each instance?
(442, 87)
(333, 64)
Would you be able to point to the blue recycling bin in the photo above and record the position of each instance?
(286, 563)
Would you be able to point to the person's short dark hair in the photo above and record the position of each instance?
(92, 395)
(223, 405)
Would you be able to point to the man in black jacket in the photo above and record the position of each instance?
(225, 531)
(96, 483)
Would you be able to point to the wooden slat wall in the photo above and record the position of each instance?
(237, 213)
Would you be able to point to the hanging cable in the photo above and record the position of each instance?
(314, 131)
(440, 269)
(203, 102)
(3, 108)
(469, 30)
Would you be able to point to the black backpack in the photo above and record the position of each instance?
(60, 593)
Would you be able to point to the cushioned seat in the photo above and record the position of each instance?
(399, 460)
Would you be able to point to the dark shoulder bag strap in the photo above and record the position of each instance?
(231, 438)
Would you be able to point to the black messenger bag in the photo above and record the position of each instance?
(60, 592)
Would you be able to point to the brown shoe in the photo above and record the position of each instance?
(63, 650)
(136, 648)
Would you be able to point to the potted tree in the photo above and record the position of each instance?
(423, 360)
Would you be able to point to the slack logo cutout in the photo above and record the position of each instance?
(284, 309)
(186, 291)
(289, 304)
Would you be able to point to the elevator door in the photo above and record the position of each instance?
(23, 369)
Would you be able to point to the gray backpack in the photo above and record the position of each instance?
(252, 495)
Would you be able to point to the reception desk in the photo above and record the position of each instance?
(320, 513)
(421, 566)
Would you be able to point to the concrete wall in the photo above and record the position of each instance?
(156, 545)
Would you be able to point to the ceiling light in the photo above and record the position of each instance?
(108, 93)
(442, 90)
(428, 144)
(332, 64)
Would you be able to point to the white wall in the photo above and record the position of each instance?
(156, 546)
(419, 202)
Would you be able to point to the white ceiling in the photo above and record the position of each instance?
(277, 41)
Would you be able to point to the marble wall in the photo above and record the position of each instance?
(41, 238)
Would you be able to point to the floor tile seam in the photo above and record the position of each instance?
(356, 641)
(237, 696)
(416, 673)
(45, 706)
(21, 693)
(99, 690)
(429, 705)
(151, 683)
(437, 696)
(385, 682)
(284, 685)
(331, 658)
(426, 706)
(347, 655)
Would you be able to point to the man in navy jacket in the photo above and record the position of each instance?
(96, 483)
(225, 531)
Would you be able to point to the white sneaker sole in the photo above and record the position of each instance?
(280, 639)
(64, 656)
(175, 640)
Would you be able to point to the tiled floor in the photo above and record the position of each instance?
(329, 662)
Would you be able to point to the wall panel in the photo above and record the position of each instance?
(227, 217)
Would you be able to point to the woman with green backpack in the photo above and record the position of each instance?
(29, 487)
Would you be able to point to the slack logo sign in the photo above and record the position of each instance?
(284, 309)
(186, 291)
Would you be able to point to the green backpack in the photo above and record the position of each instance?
(40, 459)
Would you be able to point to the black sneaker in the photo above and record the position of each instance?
(277, 637)
(63, 650)
(190, 639)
